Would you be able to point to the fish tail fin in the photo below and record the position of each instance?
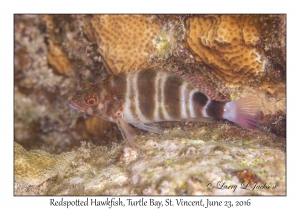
(244, 112)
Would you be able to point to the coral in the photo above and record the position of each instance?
(172, 164)
(58, 59)
(72, 37)
(36, 166)
(87, 28)
(125, 41)
(226, 43)
(170, 38)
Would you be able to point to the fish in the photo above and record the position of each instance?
(143, 97)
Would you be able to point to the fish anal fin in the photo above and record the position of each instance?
(150, 127)
(200, 119)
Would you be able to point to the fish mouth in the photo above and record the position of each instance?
(72, 106)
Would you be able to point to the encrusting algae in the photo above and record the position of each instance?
(36, 166)
(181, 164)
(56, 55)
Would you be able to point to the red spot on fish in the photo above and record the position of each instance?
(82, 105)
(74, 100)
(108, 113)
(79, 102)
(107, 97)
(94, 112)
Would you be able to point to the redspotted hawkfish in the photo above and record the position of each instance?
(143, 97)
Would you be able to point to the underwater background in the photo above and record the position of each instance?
(62, 152)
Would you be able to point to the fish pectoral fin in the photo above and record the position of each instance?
(127, 132)
(150, 127)
(200, 119)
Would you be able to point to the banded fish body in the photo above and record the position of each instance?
(145, 96)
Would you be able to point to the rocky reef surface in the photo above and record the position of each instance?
(61, 152)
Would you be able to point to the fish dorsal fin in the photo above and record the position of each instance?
(203, 85)
(158, 65)
(200, 119)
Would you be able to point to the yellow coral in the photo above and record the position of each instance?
(88, 28)
(36, 166)
(58, 59)
(226, 43)
(125, 41)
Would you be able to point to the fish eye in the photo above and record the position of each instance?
(91, 100)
